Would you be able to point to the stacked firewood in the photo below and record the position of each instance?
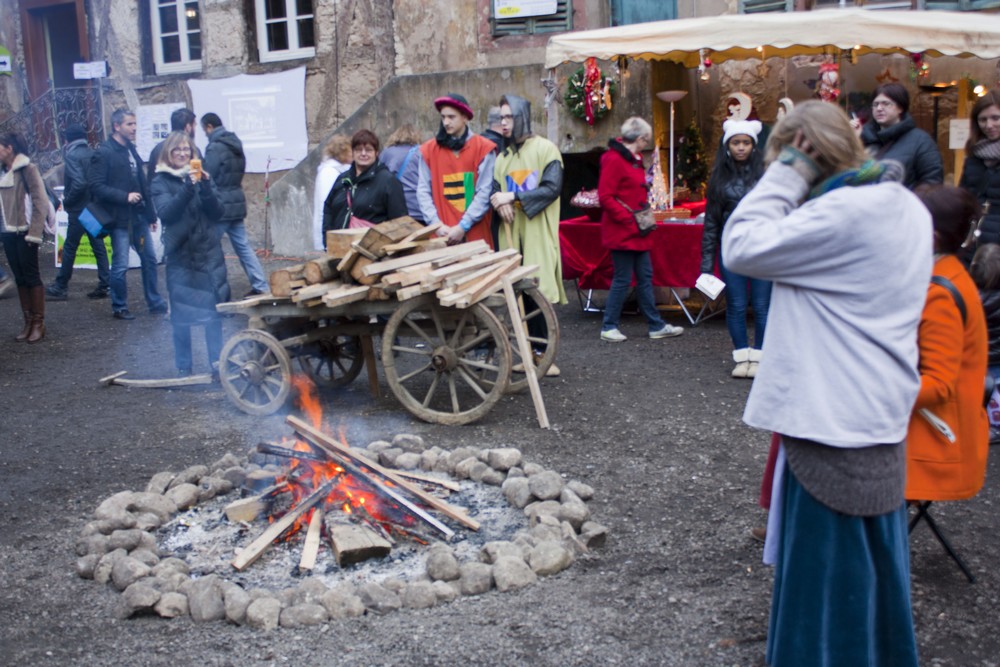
(399, 258)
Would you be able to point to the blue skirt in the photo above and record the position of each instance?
(841, 587)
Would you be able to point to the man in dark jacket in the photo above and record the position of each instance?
(226, 163)
(76, 160)
(121, 201)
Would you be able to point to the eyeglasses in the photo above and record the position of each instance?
(506, 117)
(180, 150)
(883, 104)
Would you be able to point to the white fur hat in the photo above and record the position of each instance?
(731, 128)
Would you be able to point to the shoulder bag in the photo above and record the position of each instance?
(644, 219)
(354, 221)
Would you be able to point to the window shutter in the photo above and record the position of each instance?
(561, 21)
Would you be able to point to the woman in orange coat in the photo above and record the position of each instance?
(949, 432)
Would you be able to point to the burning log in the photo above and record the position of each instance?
(353, 544)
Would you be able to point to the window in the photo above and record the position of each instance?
(560, 21)
(758, 6)
(627, 12)
(176, 35)
(960, 5)
(285, 29)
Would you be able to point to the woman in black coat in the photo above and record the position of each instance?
(367, 190)
(981, 171)
(186, 202)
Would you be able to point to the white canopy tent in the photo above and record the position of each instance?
(738, 36)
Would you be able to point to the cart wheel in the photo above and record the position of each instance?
(446, 365)
(333, 361)
(256, 372)
(541, 308)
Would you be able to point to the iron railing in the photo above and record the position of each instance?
(42, 122)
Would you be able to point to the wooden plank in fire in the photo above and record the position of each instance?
(248, 509)
(310, 548)
(255, 549)
(352, 543)
(342, 452)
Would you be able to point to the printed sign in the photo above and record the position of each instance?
(516, 9)
(6, 62)
(153, 121)
(958, 133)
(94, 70)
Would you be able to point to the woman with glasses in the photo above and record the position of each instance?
(187, 205)
(981, 173)
(891, 134)
(367, 192)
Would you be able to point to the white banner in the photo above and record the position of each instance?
(153, 122)
(266, 111)
(516, 9)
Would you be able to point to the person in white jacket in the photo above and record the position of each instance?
(336, 160)
(849, 252)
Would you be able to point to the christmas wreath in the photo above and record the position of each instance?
(588, 93)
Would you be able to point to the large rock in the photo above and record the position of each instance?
(127, 570)
(378, 598)
(409, 442)
(145, 556)
(445, 591)
(172, 605)
(546, 485)
(420, 595)
(185, 496)
(158, 504)
(463, 469)
(169, 581)
(387, 457)
(512, 573)
(343, 602)
(546, 508)
(191, 475)
(517, 491)
(504, 458)
(236, 600)
(175, 564)
(549, 557)
(302, 615)
(125, 539)
(310, 591)
(147, 521)
(212, 486)
(160, 482)
(228, 460)
(85, 565)
(205, 601)
(136, 598)
(576, 513)
(475, 579)
(480, 470)
(235, 475)
(492, 477)
(408, 461)
(93, 544)
(442, 565)
(494, 551)
(429, 458)
(264, 613)
(593, 534)
(114, 506)
(583, 491)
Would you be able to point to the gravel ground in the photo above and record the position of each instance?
(653, 426)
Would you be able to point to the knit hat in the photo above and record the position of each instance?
(731, 128)
(75, 131)
(454, 100)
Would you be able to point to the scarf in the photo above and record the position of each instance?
(445, 140)
(987, 151)
(868, 173)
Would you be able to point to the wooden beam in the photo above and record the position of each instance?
(325, 442)
(165, 383)
(353, 544)
(320, 270)
(525, 348)
(310, 548)
(460, 251)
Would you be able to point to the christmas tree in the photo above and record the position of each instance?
(692, 171)
(659, 198)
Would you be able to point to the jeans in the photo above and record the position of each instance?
(248, 258)
(627, 263)
(142, 240)
(23, 259)
(739, 291)
(74, 233)
(182, 343)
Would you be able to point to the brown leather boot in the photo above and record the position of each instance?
(24, 294)
(37, 331)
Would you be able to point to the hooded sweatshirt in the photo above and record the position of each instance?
(226, 164)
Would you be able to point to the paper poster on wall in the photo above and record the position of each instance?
(266, 111)
(516, 9)
(958, 133)
(153, 121)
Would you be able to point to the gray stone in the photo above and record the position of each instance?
(145, 556)
(92, 544)
(576, 513)
(302, 615)
(102, 571)
(567, 495)
(477, 471)
(547, 531)
(175, 564)
(408, 461)
(212, 486)
(387, 457)
(534, 511)
(125, 539)
(531, 469)
(172, 605)
(169, 581)
(493, 551)
(311, 591)
(445, 592)
(504, 458)
(549, 557)
(512, 573)
(114, 506)
(258, 593)
(378, 598)
(90, 528)
(342, 602)
(288, 597)
(155, 503)
(228, 460)
(236, 601)
(376, 446)
(397, 586)
(205, 600)
(127, 570)
(583, 491)
(85, 565)
(572, 541)
(515, 472)
(264, 613)
(517, 492)
(459, 454)
(235, 475)
(475, 579)
(160, 482)
(137, 597)
(185, 496)
(492, 477)
(147, 521)
(420, 595)
(593, 534)
(191, 475)
(483, 455)
(546, 485)
(428, 459)
(409, 442)
(463, 469)
(442, 565)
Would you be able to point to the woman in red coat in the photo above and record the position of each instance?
(949, 432)
(622, 189)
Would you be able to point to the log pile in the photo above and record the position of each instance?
(398, 259)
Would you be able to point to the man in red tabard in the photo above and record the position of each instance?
(456, 175)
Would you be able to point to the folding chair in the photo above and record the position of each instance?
(923, 513)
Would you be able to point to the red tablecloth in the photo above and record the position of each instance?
(676, 254)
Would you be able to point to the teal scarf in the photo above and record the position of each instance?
(868, 173)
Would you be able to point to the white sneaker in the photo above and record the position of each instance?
(668, 331)
(613, 336)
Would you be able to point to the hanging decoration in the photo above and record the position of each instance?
(828, 87)
(920, 70)
(704, 65)
(589, 92)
